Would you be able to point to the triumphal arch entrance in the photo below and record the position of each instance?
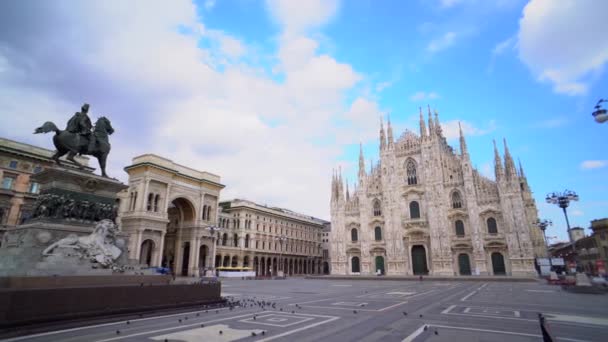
(167, 211)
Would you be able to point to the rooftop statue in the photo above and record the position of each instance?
(80, 137)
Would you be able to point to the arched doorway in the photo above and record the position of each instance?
(218, 260)
(246, 261)
(185, 258)
(419, 260)
(464, 264)
(255, 266)
(498, 264)
(325, 267)
(380, 264)
(145, 256)
(202, 256)
(226, 262)
(355, 267)
(176, 253)
(262, 266)
(235, 261)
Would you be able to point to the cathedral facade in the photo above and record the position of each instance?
(423, 209)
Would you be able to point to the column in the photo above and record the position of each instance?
(138, 246)
(177, 263)
(159, 261)
(194, 254)
(167, 194)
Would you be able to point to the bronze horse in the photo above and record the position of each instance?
(74, 143)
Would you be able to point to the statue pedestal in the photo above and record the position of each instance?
(69, 204)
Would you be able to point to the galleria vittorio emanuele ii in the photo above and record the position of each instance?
(424, 209)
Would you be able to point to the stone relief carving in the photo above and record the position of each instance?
(100, 247)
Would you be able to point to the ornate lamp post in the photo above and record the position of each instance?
(600, 114)
(281, 239)
(542, 225)
(562, 199)
(213, 230)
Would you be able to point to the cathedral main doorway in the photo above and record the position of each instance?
(380, 264)
(464, 264)
(419, 260)
(355, 267)
(498, 264)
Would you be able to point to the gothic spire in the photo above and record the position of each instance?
(463, 143)
(521, 169)
(437, 124)
(382, 136)
(510, 171)
(361, 163)
(498, 170)
(347, 192)
(422, 125)
(390, 133)
(431, 125)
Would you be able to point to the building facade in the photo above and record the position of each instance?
(424, 209)
(271, 240)
(167, 211)
(18, 161)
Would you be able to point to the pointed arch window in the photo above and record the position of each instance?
(456, 200)
(410, 169)
(354, 236)
(377, 210)
(459, 227)
(492, 227)
(378, 234)
(414, 210)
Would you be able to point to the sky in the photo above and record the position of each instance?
(273, 95)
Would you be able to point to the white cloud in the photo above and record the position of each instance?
(299, 16)
(593, 164)
(487, 170)
(209, 4)
(577, 213)
(501, 47)
(449, 3)
(564, 42)
(421, 95)
(451, 129)
(209, 108)
(442, 43)
(552, 123)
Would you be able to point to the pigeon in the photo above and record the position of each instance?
(354, 311)
(221, 332)
(253, 334)
(420, 315)
(117, 332)
(436, 333)
(128, 322)
(425, 328)
(404, 313)
(179, 320)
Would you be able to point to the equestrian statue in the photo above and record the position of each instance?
(80, 137)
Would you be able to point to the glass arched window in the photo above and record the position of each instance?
(378, 234)
(456, 200)
(354, 236)
(224, 239)
(492, 227)
(247, 241)
(414, 210)
(410, 169)
(459, 225)
(377, 210)
(156, 200)
(150, 202)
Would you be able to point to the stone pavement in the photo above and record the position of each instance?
(300, 309)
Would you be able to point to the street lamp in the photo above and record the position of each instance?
(542, 225)
(600, 114)
(563, 201)
(213, 230)
(281, 239)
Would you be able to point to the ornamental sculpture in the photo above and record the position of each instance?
(81, 138)
(99, 247)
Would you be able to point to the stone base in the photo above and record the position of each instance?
(30, 306)
(80, 281)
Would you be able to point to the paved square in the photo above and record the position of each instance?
(312, 310)
(276, 320)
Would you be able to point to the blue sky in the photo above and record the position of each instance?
(271, 95)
